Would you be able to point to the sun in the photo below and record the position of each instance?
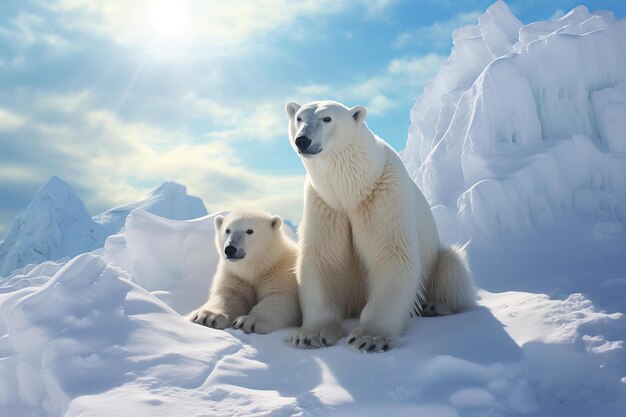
(170, 19)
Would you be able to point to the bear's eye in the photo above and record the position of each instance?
(249, 231)
(227, 231)
(326, 119)
(299, 119)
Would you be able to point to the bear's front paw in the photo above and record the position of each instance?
(209, 318)
(252, 324)
(360, 340)
(308, 338)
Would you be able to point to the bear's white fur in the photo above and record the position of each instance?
(369, 246)
(254, 287)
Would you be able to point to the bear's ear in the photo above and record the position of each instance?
(291, 108)
(276, 222)
(358, 113)
(218, 220)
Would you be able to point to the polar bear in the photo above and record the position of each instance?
(369, 245)
(254, 287)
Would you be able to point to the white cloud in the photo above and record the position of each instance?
(28, 29)
(10, 120)
(379, 9)
(121, 154)
(249, 121)
(398, 84)
(216, 24)
(438, 34)
(65, 103)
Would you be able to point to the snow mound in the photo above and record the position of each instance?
(175, 259)
(170, 200)
(54, 225)
(522, 129)
(90, 331)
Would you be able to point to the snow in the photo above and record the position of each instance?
(170, 200)
(518, 144)
(522, 129)
(174, 259)
(84, 339)
(56, 223)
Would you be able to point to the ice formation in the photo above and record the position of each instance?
(523, 128)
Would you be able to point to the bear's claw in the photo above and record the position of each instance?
(208, 318)
(309, 339)
(359, 340)
(251, 324)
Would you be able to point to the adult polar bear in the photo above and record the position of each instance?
(368, 241)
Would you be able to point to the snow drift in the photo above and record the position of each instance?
(523, 128)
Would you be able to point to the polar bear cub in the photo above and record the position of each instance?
(254, 287)
(369, 246)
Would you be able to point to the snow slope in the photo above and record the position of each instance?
(56, 223)
(83, 339)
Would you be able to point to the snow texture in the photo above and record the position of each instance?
(518, 143)
(56, 223)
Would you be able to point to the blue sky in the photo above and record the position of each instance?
(116, 97)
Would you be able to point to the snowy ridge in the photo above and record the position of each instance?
(56, 223)
(524, 121)
(170, 200)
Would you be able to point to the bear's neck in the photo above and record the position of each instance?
(347, 177)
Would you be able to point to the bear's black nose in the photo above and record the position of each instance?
(230, 251)
(303, 143)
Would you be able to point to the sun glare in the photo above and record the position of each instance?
(170, 19)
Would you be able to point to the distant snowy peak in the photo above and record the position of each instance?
(54, 225)
(57, 193)
(522, 128)
(170, 200)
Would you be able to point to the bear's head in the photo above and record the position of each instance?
(320, 127)
(244, 235)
